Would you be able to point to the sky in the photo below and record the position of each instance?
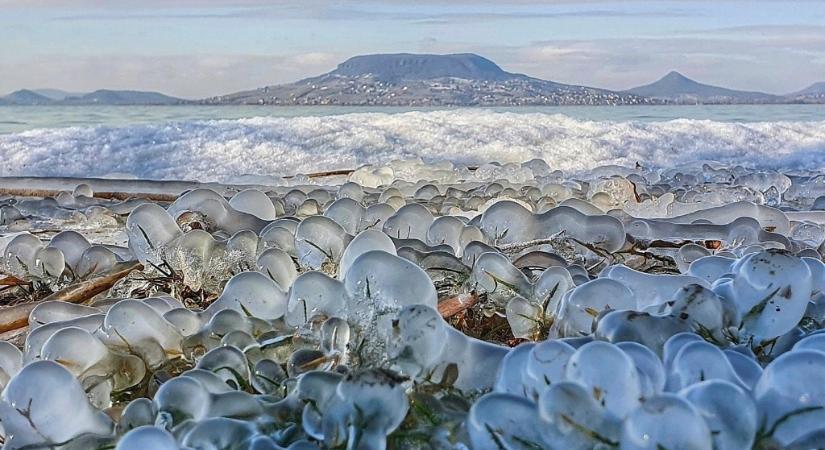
(195, 49)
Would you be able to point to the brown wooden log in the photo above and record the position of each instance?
(332, 173)
(155, 197)
(17, 316)
(451, 306)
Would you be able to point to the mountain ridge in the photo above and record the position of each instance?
(30, 97)
(405, 79)
(677, 88)
(815, 93)
(414, 80)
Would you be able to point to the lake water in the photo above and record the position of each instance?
(14, 119)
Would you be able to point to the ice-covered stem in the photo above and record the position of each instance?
(424, 346)
(516, 247)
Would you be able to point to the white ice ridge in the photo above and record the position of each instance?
(223, 149)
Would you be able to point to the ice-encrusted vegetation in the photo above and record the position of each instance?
(504, 307)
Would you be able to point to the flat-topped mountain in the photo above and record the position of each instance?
(425, 80)
(406, 66)
(677, 88)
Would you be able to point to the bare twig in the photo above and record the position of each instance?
(14, 317)
(516, 247)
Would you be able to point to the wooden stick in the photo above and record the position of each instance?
(453, 305)
(155, 197)
(17, 316)
(11, 280)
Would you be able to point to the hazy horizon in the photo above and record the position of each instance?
(198, 49)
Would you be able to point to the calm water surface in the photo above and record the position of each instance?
(15, 119)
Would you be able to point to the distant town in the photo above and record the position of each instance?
(416, 80)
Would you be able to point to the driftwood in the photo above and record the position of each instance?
(451, 306)
(326, 173)
(17, 316)
(151, 196)
(25, 192)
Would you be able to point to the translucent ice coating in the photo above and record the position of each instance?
(199, 258)
(348, 213)
(412, 221)
(770, 291)
(580, 307)
(44, 406)
(72, 244)
(489, 429)
(508, 222)
(769, 218)
(744, 230)
(254, 294)
(424, 346)
(147, 437)
(790, 395)
(666, 421)
(20, 255)
(98, 370)
(494, 274)
(618, 390)
(665, 308)
(377, 280)
(9, 214)
(320, 241)
(255, 202)
(569, 398)
(95, 259)
(217, 213)
(278, 265)
(729, 412)
(150, 229)
(453, 232)
(364, 407)
(11, 361)
(315, 293)
(137, 328)
(364, 242)
(650, 289)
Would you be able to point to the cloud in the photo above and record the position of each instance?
(758, 62)
(393, 11)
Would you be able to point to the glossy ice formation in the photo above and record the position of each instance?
(418, 305)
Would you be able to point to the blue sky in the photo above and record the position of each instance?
(209, 47)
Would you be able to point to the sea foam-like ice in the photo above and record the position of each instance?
(228, 149)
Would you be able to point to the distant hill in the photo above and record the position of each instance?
(26, 97)
(425, 80)
(406, 79)
(109, 97)
(814, 93)
(56, 94)
(406, 66)
(677, 88)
